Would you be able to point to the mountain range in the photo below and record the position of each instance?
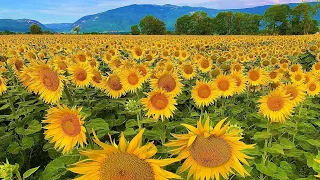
(121, 19)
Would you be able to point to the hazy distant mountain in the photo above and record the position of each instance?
(19, 25)
(121, 19)
(59, 27)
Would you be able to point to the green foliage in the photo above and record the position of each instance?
(76, 29)
(35, 29)
(151, 25)
(135, 30)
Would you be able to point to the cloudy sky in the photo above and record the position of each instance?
(57, 11)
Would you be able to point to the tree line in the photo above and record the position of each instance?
(277, 20)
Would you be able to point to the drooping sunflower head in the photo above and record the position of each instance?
(159, 104)
(210, 151)
(225, 85)
(276, 106)
(97, 78)
(81, 74)
(241, 81)
(16, 64)
(204, 93)
(113, 85)
(131, 79)
(64, 127)
(125, 161)
(45, 81)
(296, 93)
(3, 86)
(168, 81)
(144, 71)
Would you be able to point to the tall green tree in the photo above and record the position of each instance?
(152, 26)
(183, 25)
(76, 29)
(303, 18)
(135, 30)
(35, 29)
(277, 19)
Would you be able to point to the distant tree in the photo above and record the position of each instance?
(76, 29)
(35, 29)
(277, 19)
(201, 24)
(183, 25)
(47, 32)
(303, 18)
(135, 30)
(152, 26)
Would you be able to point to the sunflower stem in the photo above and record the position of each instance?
(90, 140)
(266, 144)
(138, 120)
(88, 96)
(18, 174)
(66, 90)
(163, 136)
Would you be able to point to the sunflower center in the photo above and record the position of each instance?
(167, 82)
(275, 103)
(204, 64)
(223, 85)
(238, 81)
(138, 51)
(210, 152)
(204, 91)
(18, 64)
(237, 67)
(254, 75)
(133, 79)
(294, 68)
(82, 58)
(50, 79)
(80, 74)
(312, 87)
(273, 75)
(114, 83)
(188, 69)
(298, 77)
(149, 57)
(70, 125)
(317, 66)
(96, 77)
(124, 166)
(159, 101)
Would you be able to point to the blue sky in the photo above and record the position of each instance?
(58, 11)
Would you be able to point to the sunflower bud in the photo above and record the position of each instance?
(133, 106)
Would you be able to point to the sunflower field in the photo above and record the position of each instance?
(120, 107)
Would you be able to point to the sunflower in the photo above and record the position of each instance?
(225, 85)
(274, 76)
(296, 92)
(318, 161)
(96, 78)
(113, 86)
(144, 71)
(159, 104)
(313, 88)
(241, 81)
(276, 106)
(257, 76)
(297, 77)
(81, 57)
(203, 93)
(3, 86)
(131, 79)
(210, 152)
(188, 70)
(65, 128)
(81, 74)
(16, 64)
(204, 64)
(169, 81)
(137, 52)
(44, 80)
(127, 161)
